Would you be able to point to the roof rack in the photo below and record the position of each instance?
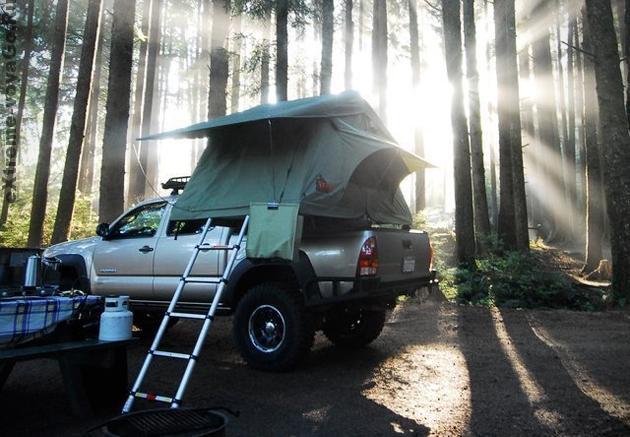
(176, 184)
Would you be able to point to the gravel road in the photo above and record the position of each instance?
(437, 369)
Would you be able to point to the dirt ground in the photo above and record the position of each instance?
(437, 369)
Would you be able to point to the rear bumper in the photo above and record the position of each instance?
(370, 289)
(344, 289)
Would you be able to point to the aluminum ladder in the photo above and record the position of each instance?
(207, 318)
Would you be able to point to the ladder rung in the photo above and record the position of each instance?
(203, 281)
(188, 316)
(172, 354)
(153, 397)
(205, 247)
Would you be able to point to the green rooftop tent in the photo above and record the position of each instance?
(330, 155)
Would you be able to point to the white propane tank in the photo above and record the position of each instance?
(116, 320)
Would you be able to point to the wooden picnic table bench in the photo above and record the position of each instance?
(94, 372)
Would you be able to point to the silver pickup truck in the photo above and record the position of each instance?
(346, 277)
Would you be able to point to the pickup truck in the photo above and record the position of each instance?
(346, 277)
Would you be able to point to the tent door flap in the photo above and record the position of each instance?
(275, 230)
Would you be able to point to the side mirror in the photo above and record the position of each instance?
(102, 230)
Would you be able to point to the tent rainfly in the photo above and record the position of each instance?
(331, 155)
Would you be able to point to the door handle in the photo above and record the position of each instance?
(146, 249)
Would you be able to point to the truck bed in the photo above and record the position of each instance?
(404, 257)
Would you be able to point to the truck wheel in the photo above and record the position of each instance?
(354, 328)
(272, 329)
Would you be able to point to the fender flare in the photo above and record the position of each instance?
(76, 262)
(251, 271)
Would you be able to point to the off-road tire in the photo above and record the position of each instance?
(354, 328)
(298, 327)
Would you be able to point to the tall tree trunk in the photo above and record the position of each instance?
(507, 219)
(317, 30)
(136, 177)
(480, 200)
(626, 53)
(619, 11)
(414, 45)
(594, 187)
(51, 103)
(112, 189)
(527, 118)
(530, 147)
(282, 13)
(148, 149)
(264, 62)
(219, 66)
(86, 171)
(513, 228)
(235, 95)
(194, 115)
(550, 174)
(204, 66)
(615, 139)
(192, 95)
(160, 102)
(12, 150)
(564, 128)
(26, 63)
(494, 202)
(67, 195)
(581, 145)
(45, 11)
(463, 190)
(361, 18)
(158, 114)
(348, 42)
(327, 46)
(379, 55)
(193, 92)
(571, 177)
(494, 185)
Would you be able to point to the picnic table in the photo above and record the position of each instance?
(25, 318)
(94, 371)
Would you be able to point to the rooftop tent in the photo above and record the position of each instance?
(331, 155)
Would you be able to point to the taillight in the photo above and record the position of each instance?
(368, 258)
(430, 256)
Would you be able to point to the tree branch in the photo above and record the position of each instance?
(592, 55)
(435, 8)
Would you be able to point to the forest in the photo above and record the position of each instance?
(522, 105)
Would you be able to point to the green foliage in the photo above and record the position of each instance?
(516, 280)
(84, 219)
(508, 279)
(15, 231)
(419, 221)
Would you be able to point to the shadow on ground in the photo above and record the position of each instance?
(438, 369)
(520, 385)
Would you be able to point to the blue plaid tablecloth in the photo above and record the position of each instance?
(24, 318)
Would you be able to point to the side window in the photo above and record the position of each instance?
(140, 222)
(185, 227)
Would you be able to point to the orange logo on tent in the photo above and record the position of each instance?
(322, 185)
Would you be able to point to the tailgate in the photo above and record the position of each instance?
(402, 255)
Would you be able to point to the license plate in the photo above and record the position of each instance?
(409, 264)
